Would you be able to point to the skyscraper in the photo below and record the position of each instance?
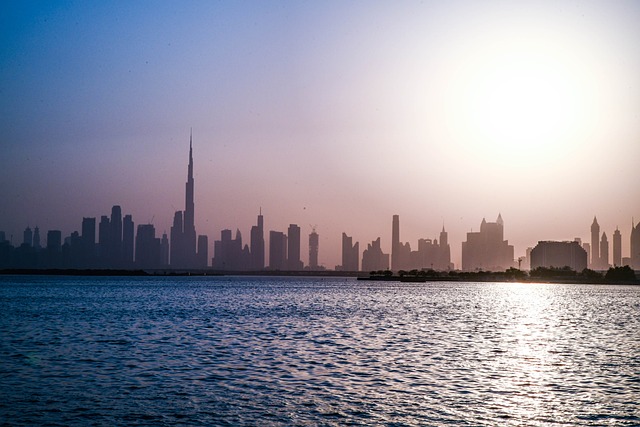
(147, 247)
(189, 211)
(27, 237)
(617, 248)
(230, 254)
(203, 251)
(257, 244)
(183, 231)
(164, 251)
(444, 254)
(36, 238)
(104, 239)
(635, 246)
(604, 252)
(115, 242)
(487, 250)
(373, 259)
(595, 244)
(277, 250)
(314, 243)
(395, 243)
(587, 248)
(400, 252)
(558, 255)
(350, 254)
(127, 241)
(293, 248)
(177, 237)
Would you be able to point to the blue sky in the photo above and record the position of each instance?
(336, 114)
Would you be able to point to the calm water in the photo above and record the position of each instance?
(273, 351)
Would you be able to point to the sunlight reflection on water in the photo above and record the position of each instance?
(272, 351)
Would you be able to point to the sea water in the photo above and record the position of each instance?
(204, 351)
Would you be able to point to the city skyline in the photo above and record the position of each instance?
(333, 115)
(486, 249)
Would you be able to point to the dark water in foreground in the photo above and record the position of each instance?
(273, 351)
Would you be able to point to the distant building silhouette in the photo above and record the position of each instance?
(277, 250)
(350, 254)
(36, 238)
(373, 259)
(587, 248)
(559, 254)
(634, 256)
(314, 244)
(148, 255)
(183, 231)
(395, 243)
(487, 250)
(203, 251)
(127, 241)
(229, 254)
(115, 241)
(104, 239)
(53, 256)
(257, 244)
(430, 253)
(595, 245)
(293, 248)
(604, 252)
(164, 251)
(27, 237)
(71, 251)
(445, 251)
(617, 248)
(177, 257)
(400, 252)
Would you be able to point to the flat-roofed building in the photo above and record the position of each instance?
(559, 254)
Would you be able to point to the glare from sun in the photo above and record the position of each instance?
(518, 100)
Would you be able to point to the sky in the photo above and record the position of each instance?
(330, 114)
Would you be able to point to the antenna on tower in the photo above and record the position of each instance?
(313, 227)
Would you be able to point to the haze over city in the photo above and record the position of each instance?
(337, 115)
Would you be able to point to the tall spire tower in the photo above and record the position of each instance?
(189, 225)
(189, 209)
(595, 244)
(183, 232)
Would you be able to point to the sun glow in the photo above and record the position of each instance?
(524, 101)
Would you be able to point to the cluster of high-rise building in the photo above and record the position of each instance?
(594, 255)
(487, 250)
(120, 245)
(430, 254)
(284, 250)
(598, 250)
(113, 249)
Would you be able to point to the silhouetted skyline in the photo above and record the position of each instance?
(335, 114)
(486, 250)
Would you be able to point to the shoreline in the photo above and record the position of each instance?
(499, 277)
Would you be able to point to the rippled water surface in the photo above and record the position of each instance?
(290, 351)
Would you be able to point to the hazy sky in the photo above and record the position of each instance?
(335, 114)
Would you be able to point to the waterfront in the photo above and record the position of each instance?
(316, 351)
